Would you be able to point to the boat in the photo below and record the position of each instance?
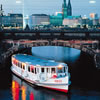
(44, 73)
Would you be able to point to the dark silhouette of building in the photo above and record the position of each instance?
(69, 9)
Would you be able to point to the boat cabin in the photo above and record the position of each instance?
(48, 68)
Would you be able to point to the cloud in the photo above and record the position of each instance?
(18, 1)
(92, 1)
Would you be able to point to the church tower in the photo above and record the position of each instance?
(64, 9)
(69, 9)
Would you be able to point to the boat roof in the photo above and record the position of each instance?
(31, 60)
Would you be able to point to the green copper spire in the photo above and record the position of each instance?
(64, 9)
(69, 9)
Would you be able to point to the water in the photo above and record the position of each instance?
(62, 54)
(84, 76)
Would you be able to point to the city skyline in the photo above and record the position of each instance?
(84, 7)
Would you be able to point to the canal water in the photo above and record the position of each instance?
(85, 80)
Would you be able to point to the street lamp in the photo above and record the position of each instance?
(19, 2)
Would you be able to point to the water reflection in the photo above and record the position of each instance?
(15, 90)
(21, 90)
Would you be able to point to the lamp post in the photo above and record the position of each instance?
(19, 2)
(23, 16)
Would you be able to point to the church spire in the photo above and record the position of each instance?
(65, 3)
(64, 9)
(69, 9)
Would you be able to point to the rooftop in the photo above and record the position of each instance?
(39, 15)
(35, 61)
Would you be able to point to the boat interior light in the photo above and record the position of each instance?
(60, 66)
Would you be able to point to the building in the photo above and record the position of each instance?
(86, 22)
(72, 21)
(16, 21)
(11, 21)
(56, 20)
(38, 19)
(99, 20)
(5, 21)
(93, 16)
(95, 19)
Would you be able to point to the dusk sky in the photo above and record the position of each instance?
(80, 7)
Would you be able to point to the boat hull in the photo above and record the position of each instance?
(57, 87)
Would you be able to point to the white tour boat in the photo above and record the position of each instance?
(45, 73)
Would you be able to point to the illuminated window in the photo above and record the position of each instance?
(23, 66)
(60, 71)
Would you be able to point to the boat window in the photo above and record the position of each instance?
(53, 70)
(29, 68)
(35, 71)
(42, 70)
(60, 71)
(18, 64)
(47, 70)
(32, 70)
(23, 66)
(64, 69)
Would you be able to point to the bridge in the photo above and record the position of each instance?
(90, 47)
(51, 34)
(84, 40)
